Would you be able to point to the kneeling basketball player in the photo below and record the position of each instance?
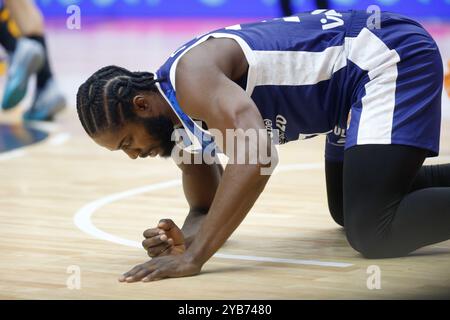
(375, 92)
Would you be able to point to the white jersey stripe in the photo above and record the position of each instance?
(369, 53)
(245, 48)
(292, 19)
(295, 68)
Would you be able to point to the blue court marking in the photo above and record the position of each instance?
(15, 136)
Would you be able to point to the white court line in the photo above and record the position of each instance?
(56, 140)
(59, 139)
(49, 127)
(299, 166)
(13, 154)
(82, 220)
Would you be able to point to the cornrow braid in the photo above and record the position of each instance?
(105, 99)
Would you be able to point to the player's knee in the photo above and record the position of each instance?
(365, 243)
(365, 238)
(337, 214)
(370, 238)
(370, 249)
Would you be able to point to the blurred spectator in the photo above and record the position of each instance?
(286, 6)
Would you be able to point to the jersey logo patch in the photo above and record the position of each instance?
(280, 123)
(330, 15)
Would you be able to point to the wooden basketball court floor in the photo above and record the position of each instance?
(67, 204)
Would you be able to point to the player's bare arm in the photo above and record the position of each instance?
(207, 93)
(200, 182)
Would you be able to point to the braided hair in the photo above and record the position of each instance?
(105, 100)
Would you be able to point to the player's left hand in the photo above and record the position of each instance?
(158, 268)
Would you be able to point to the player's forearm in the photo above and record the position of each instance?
(192, 224)
(241, 185)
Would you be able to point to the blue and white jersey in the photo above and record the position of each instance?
(308, 71)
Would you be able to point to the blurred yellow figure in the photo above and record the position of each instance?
(5, 16)
(13, 30)
(22, 36)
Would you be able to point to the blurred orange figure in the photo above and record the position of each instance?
(447, 79)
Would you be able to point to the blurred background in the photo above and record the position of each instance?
(111, 9)
(140, 34)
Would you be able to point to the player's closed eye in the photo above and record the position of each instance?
(127, 145)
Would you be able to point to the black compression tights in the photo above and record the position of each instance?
(389, 204)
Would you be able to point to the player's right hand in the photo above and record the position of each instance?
(165, 239)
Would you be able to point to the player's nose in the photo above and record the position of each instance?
(133, 154)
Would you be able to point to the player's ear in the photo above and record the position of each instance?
(141, 106)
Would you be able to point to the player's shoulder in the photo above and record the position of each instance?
(204, 64)
(195, 78)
